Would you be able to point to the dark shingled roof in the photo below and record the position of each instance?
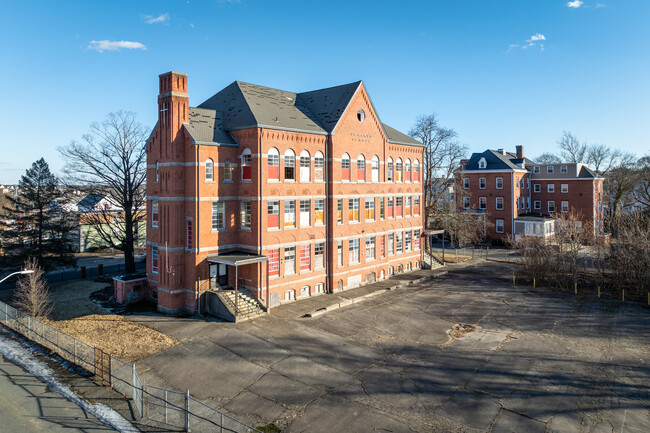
(587, 173)
(242, 105)
(206, 126)
(497, 161)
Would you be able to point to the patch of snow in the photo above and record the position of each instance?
(20, 355)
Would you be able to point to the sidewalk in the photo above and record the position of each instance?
(317, 305)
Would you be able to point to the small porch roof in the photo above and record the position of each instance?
(236, 258)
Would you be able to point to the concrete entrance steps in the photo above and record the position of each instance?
(247, 307)
(432, 261)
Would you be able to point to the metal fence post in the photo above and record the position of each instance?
(187, 410)
(75, 350)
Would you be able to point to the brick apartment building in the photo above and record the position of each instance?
(281, 195)
(521, 197)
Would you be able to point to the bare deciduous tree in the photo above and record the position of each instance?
(548, 158)
(442, 156)
(111, 160)
(571, 149)
(602, 157)
(621, 181)
(642, 189)
(31, 294)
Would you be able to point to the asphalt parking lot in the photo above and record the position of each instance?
(536, 362)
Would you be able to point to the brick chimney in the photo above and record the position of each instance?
(173, 103)
(520, 152)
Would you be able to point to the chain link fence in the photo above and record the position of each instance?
(157, 404)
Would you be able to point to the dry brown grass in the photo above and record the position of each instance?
(452, 258)
(75, 314)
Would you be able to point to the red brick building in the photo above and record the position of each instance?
(280, 195)
(521, 197)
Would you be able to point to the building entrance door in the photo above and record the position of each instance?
(218, 275)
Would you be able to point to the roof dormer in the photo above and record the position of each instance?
(482, 163)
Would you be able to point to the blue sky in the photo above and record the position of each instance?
(500, 72)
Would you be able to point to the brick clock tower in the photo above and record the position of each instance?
(170, 214)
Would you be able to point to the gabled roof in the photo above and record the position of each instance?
(247, 105)
(497, 161)
(206, 126)
(587, 173)
(243, 105)
(394, 136)
(328, 105)
(88, 203)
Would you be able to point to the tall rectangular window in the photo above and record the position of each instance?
(354, 248)
(245, 211)
(290, 260)
(537, 187)
(565, 206)
(500, 183)
(482, 183)
(305, 211)
(339, 211)
(274, 262)
(550, 169)
(305, 167)
(500, 203)
(273, 169)
(466, 203)
(564, 188)
(550, 187)
(289, 166)
(319, 255)
(289, 213)
(389, 171)
(538, 204)
(218, 215)
(154, 214)
(499, 225)
(189, 234)
(563, 169)
(391, 246)
(273, 212)
(416, 239)
(370, 209)
(246, 166)
(407, 205)
(227, 171)
(339, 252)
(353, 209)
(551, 206)
(154, 259)
(482, 203)
(382, 210)
(319, 211)
(361, 169)
(370, 248)
(466, 183)
(305, 257)
(398, 242)
(399, 203)
(416, 205)
(319, 167)
(389, 207)
(382, 251)
(407, 240)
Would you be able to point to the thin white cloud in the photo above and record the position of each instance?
(537, 37)
(160, 19)
(106, 45)
(575, 4)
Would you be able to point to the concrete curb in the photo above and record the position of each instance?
(351, 301)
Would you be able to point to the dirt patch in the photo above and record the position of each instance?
(76, 312)
(117, 335)
(460, 329)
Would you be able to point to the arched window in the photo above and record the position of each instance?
(289, 165)
(273, 164)
(398, 170)
(156, 171)
(345, 167)
(246, 164)
(209, 170)
(389, 170)
(375, 168)
(361, 168)
(407, 170)
(319, 167)
(227, 171)
(305, 166)
(416, 171)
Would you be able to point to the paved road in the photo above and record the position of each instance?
(537, 362)
(27, 405)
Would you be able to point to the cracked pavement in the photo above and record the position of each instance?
(537, 361)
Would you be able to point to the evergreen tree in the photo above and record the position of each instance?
(39, 226)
